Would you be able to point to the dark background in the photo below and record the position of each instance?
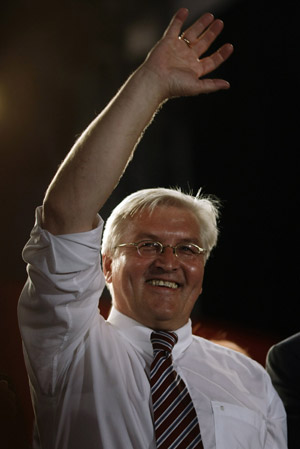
(62, 61)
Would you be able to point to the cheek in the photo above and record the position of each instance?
(127, 270)
(117, 269)
(196, 275)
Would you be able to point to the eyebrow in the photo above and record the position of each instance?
(155, 238)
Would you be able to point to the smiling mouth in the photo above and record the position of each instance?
(161, 283)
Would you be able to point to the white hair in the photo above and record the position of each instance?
(205, 209)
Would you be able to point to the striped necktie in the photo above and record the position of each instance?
(175, 420)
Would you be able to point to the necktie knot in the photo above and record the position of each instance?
(163, 341)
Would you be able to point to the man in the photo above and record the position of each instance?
(283, 365)
(94, 382)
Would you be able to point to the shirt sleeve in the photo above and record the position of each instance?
(59, 302)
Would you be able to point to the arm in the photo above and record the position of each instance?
(95, 164)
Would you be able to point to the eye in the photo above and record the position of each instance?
(188, 250)
(149, 247)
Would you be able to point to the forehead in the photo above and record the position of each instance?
(164, 222)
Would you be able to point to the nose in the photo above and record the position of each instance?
(167, 259)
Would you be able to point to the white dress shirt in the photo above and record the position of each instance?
(89, 378)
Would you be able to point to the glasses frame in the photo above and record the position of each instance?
(162, 248)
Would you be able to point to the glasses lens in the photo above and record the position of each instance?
(148, 248)
(187, 251)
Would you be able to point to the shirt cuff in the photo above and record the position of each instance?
(68, 253)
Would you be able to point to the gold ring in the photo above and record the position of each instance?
(188, 43)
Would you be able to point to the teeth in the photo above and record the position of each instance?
(162, 283)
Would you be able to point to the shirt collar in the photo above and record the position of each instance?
(139, 335)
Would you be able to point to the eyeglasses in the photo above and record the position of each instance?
(148, 248)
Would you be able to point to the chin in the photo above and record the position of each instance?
(164, 319)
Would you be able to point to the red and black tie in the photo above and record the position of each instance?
(175, 420)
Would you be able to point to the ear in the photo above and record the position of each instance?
(107, 268)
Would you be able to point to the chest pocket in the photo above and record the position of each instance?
(238, 427)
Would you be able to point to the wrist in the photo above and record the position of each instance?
(151, 82)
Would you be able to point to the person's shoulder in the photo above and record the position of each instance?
(291, 343)
(288, 349)
(218, 344)
(227, 356)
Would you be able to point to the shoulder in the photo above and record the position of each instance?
(291, 343)
(227, 359)
(284, 357)
(286, 349)
(231, 376)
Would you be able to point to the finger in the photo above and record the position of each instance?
(174, 28)
(195, 30)
(208, 37)
(207, 86)
(213, 61)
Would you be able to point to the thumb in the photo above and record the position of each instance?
(174, 28)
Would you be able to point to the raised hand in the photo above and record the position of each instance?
(97, 160)
(177, 58)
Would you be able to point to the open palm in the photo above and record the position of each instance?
(177, 58)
